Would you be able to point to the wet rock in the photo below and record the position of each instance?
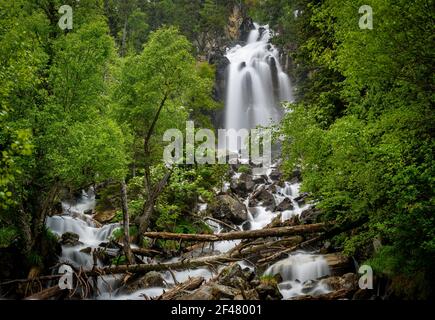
(57, 209)
(212, 291)
(233, 276)
(89, 212)
(259, 179)
(262, 197)
(105, 216)
(221, 64)
(348, 281)
(309, 286)
(248, 295)
(87, 250)
(338, 263)
(363, 294)
(285, 285)
(284, 205)
(301, 199)
(296, 177)
(268, 291)
(243, 185)
(229, 208)
(310, 215)
(70, 239)
(275, 175)
(245, 28)
(326, 248)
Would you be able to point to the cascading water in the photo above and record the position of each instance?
(298, 273)
(256, 83)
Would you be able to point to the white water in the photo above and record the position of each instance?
(298, 270)
(76, 221)
(256, 83)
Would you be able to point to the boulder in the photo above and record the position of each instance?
(229, 208)
(262, 197)
(221, 63)
(234, 276)
(309, 286)
(310, 215)
(70, 239)
(243, 185)
(259, 179)
(338, 263)
(348, 281)
(284, 205)
(275, 175)
(212, 291)
(301, 199)
(268, 291)
(105, 216)
(245, 28)
(89, 212)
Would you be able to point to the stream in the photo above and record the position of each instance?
(256, 85)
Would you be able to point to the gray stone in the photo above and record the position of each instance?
(229, 208)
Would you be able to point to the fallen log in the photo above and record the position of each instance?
(46, 293)
(180, 289)
(250, 234)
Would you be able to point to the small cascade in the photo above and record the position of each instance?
(299, 272)
(75, 220)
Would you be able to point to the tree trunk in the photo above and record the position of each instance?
(152, 194)
(45, 294)
(250, 234)
(124, 38)
(179, 290)
(126, 219)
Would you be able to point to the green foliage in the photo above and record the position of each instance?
(244, 169)
(362, 130)
(119, 261)
(7, 235)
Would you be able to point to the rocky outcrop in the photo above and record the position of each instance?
(302, 198)
(310, 215)
(104, 216)
(348, 281)
(228, 208)
(221, 63)
(262, 197)
(243, 185)
(284, 205)
(338, 263)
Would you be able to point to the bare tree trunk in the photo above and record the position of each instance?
(179, 290)
(152, 194)
(46, 293)
(124, 202)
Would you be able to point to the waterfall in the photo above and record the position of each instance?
(256, 83)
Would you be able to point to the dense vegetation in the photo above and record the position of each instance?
(362, 128)
(89, 105)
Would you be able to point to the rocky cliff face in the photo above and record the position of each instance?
(237, 32)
